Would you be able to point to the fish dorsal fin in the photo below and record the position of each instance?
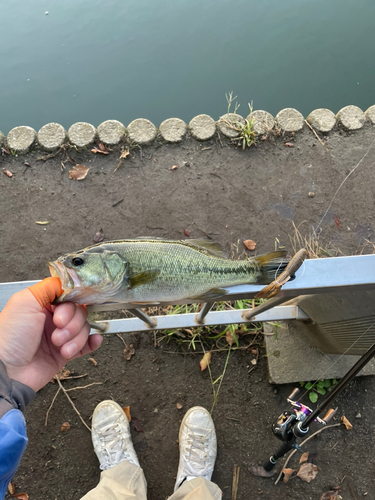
(212, 247)
(149, 238)
(209, 247)
(277, 257)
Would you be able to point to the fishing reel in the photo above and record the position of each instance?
(294, 423)
(289, 424)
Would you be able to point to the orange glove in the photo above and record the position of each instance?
(47, 291)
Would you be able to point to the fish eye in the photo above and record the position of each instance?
(77, 261)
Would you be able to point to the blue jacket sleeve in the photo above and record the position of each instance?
(14, 396)
(13, 442)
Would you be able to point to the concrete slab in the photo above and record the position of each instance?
(293, 358)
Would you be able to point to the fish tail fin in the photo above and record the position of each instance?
(271, 266)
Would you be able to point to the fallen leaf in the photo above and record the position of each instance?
(175, 167)
(345, 421)
(338, 222)
(128, 352)
(307, 472)
(249, 244)
(42, 222)
(124, 153)
(9, 174)
(21, 496)
(178, 406)
(78, 172)
(304, 457)
(102, 147)
(65, 427)
(93, 361)
(287, 473)
(98, 150)
(127, 412)
(205, 361)
(5, 150)
(186, 233)
(330, 495)
(229, 338)
(99, 236)
(289, 145)
(136, 424)
(27, 164)
(11, 488)
(258, 470)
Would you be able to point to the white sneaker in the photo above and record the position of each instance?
(110, 432)
(197, 446)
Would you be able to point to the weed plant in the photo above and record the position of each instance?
(321, 387)
(246, 136)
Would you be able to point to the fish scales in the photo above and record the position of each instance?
(176, 261)
(157, 271)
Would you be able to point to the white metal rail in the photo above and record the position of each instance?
(315, 276)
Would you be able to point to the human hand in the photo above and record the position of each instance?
(36, 342)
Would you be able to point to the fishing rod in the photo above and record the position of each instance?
(294, 423)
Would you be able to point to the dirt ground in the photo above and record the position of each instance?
(229, 194)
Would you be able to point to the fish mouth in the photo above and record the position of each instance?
(68, 277)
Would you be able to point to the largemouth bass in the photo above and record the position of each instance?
(151, 270)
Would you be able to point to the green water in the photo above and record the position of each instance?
(125, 59)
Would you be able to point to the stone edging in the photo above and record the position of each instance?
(202, 128)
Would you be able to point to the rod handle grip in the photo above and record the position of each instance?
(329, 415)
(294, 394)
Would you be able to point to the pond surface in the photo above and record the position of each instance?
(91, 60)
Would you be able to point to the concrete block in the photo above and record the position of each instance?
(351, 117)
(202, 127)
(111, 132)
(224, 124)
(290, 120)
(322, 119)
(142, 131)
(292, 358)
(20, 139)
(51, 136)
(173, 130)
(263, 121)
(82, 134)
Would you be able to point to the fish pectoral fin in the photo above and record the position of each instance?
(211, 246)
(142, 278)
(211, 295)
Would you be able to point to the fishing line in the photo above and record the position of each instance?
(277, 270)
(320, 222)
(337, 360)
(347, 177)
(303, 269)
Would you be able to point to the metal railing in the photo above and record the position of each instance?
(327, 275)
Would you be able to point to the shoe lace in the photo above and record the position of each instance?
(197, 463)
(114, 444)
